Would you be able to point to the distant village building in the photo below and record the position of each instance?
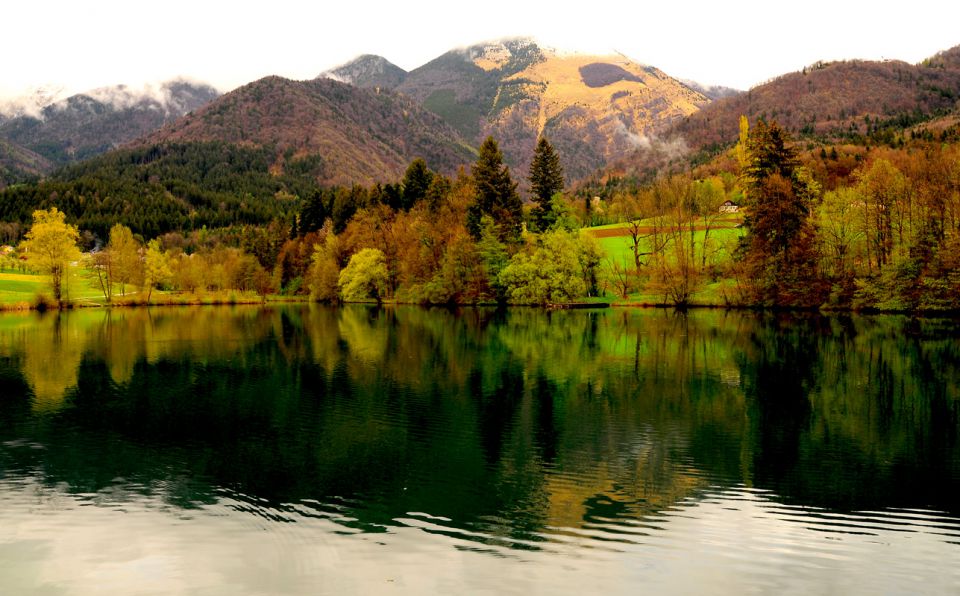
(729, 207)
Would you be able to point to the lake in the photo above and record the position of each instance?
(312, 450)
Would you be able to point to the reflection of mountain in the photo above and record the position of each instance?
(513, 425)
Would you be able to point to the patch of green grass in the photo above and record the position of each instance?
(722, 242)
(18, 287)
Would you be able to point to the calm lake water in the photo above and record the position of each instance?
(306, 450)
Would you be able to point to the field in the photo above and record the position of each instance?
(722, 240)
(617, 244)
(21, 289)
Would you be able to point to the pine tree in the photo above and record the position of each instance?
(546, 180)
(416, 181)
(780, 243)
(496, 194)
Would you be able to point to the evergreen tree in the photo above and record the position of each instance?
(496, 194)
(439, 192)
(780, 247)
(546, 180)
(416, 182)
(315, 211)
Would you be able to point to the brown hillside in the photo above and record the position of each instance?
(834, 99)
(360, 136)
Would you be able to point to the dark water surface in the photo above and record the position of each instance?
(308, 450)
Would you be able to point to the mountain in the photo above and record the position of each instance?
(368, 72)
(349, 135)
(835, 100)
(92, 123)
(592, 108)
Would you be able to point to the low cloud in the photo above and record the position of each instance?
(33, 103)
(672, 148)
(167, 97)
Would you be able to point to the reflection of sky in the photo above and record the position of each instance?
(120, 542)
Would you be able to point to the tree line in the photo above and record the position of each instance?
(851, 227)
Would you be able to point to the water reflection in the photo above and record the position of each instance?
(499, 432)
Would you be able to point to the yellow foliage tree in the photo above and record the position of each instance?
(125, 254)
(51, 245)
(156, 269)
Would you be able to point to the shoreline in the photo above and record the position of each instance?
(193, 301)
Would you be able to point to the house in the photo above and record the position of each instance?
(729, 207)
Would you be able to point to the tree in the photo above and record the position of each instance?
(364, 277)
(51, 245)
(779, 245)
(314, 212)
(156, 267)
(439, 192)
(496, 195)
(546, 180)
(125, 255)
(416, 182)
(708, 195)
(884, 191)
(323, 274)
(841, 230)
(102, 264)
(559, 269)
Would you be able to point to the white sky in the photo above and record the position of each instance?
(83, 44)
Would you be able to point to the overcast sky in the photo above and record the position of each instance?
(83, 44)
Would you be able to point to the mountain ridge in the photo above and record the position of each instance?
(355, 135)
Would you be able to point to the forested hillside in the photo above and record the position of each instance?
(349, 135)
(159, 189)
(836, 101)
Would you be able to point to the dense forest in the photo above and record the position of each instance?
(180, 187)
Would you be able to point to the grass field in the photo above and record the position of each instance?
(617, 244)
(722, 238)
(26, 288)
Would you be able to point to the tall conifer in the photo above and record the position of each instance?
(496, 194)
(546, 180)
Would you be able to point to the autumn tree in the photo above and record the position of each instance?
(364, 277)
(125, 257)
(51, 245)
(546, 180)
(884, 193)
(324, 271)
(156, 267)
(496, 194)
(840, 223)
